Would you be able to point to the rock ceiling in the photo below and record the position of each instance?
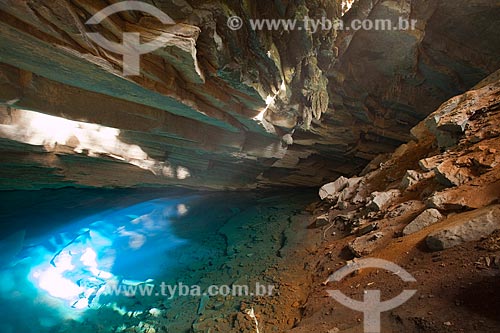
(219, 108)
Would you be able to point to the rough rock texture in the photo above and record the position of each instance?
(428, 217)
(467, 227)
(412, 178)
(463, 278)
(342, 191)
(452, 178)
(332, 190)
(381, 200)
(215, 103)
(366, 244)
(381, 77)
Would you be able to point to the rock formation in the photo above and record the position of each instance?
(447, 177)
(400, 129)
(223, 108)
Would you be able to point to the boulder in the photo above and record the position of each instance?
(366, 244)
(413, 177)
(450, 121)
(287, 139)
(381, 200)
(351, 193)
(405, 211)
(478, 193)
(428, 217)
(448, 174)
(349, 220)
(343, 191)
(430, 163)
(320, 221)
(446, 200)
(471, 226)
(331, 190)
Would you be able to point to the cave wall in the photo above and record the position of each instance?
(217, 103)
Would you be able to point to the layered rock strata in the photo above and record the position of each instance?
(233, 108)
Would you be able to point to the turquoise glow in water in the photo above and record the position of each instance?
(64, 250)
(108, 250)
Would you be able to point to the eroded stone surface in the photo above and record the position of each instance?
(343, 192)
(464, 176)
(467, 227)
(413, 178)
(218, 102)
(381, 200)
(428, 217)
(366, 244)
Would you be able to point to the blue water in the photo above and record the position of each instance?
(62, 250)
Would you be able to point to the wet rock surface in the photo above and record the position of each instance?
(227, 240)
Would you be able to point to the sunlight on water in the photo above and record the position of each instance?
(71, 268)
(92, 261)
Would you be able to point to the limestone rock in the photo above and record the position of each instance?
(381, 200)
(448, 174)
(430, 163)
(364, 245)
(343, 191)
(406, 210)
(215, 101)
(320, 221)
(467, 227)
(445, 200)
(426, 64)
(413, 177)
(449, 122)
(421, 132)
(331, 190)
(428, 217)
(476, 194)
(353, 191)
(349, 220)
